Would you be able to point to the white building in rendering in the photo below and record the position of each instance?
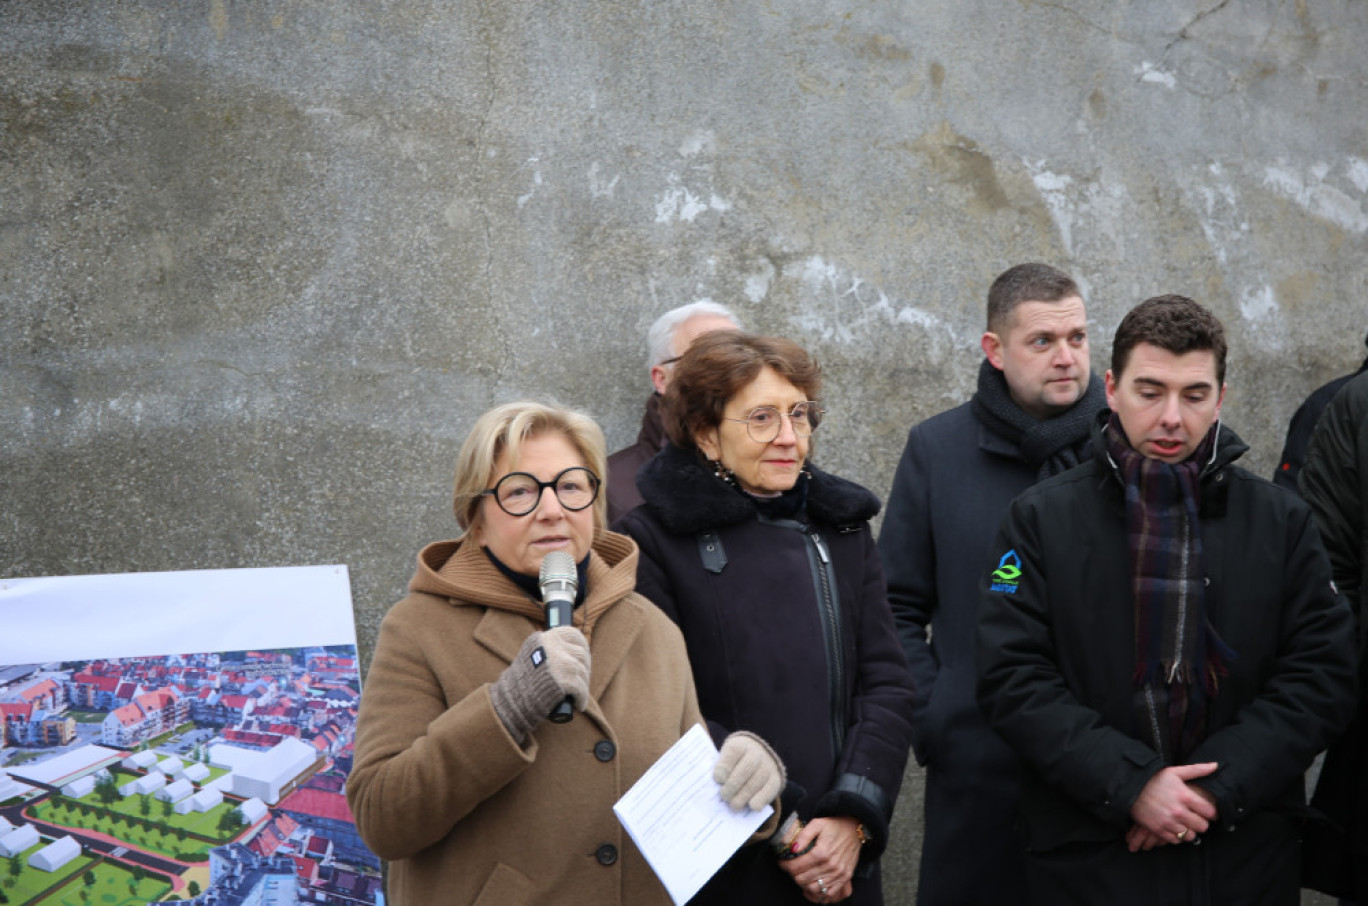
(55, 854)
(9, 787)
(264, 774)
(78, 788)
(140, 761)
(202, 801)
(18, 840)
(253, 810)
(175, 792)
(146, 784)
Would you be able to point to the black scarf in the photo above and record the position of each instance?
(532, 584)
(1050, 445)
(1179, 659)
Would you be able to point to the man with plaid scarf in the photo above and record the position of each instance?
(1161, 644)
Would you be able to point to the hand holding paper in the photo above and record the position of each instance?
(676, 816)
(750, 772)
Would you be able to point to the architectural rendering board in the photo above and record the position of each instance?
(172, 735)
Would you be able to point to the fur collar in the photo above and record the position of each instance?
(685, 496)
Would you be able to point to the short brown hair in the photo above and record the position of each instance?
(716, 366)
(1031, 282)
(1173, 323)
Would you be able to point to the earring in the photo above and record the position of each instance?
(722, 472)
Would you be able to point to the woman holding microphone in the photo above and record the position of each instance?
(460, 780)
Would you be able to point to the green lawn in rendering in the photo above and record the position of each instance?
(126, 825)
(32, 882)
(113, 886)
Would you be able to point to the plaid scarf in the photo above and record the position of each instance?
(1179, 659)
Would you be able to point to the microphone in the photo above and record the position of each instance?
(559, 582)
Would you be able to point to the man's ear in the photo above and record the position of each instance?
(660, 377)
(991, 344)
(1111, 389)
(1220, 401)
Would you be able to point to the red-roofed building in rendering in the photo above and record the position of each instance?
(326, 813)
(148, 715)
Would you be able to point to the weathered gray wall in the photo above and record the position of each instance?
(261, 264)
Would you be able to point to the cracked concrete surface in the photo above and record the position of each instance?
(260, 268)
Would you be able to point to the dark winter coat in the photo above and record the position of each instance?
(623, 495)
(746, 593)
(1056, 654)
(1334, 482)
(1303, 423)
(950, 492)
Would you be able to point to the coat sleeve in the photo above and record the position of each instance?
(870, 769)
(1307, 699)
(422, 762)
(909, 561)
(1023, 693)
(1332, 481)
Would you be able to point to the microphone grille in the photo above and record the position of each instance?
(559, 566)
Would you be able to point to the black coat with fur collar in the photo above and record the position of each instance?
(746, 591)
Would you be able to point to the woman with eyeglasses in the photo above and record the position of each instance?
(768, 566)
(460, 780)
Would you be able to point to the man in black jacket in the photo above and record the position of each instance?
(1161, 644)
(1303, 423)
(1334, 482)
(1030, 418)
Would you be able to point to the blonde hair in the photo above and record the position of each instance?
(507, 428)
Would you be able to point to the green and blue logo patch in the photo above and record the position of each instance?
(1007, 576)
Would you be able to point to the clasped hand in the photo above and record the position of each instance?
(1171, 809)
(825, 870)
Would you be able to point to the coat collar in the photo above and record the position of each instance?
(686, 497)
(612, 615)
(1214, 478)
(460, 572)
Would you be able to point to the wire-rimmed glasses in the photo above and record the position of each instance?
(763, 423)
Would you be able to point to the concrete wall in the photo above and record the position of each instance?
(261, 264)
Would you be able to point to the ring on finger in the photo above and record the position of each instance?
(1181, 835)
(821, 885)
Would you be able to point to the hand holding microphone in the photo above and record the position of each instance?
(549, 676)
(559, 582)
(550, 670)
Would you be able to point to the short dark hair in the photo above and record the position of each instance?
(1031, 282)
(1173, 323)
(716, 366)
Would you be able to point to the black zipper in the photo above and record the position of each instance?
(831, 631)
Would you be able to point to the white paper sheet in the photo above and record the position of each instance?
(676, 816)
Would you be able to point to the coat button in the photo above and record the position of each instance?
(604, 750)
(606, 854)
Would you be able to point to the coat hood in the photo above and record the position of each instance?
(461, 572)
(686, 497)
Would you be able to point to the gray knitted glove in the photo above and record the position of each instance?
(750, 772)
(549, 666)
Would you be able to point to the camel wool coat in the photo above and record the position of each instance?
(440, 789)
